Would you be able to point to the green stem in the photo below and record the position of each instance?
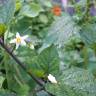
(85, 55)
(20, 63)
(38, 81)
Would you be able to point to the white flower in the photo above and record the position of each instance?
(52, 79)
(19, 40)
(64, 2)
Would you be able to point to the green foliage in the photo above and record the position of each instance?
(7, 9)
(64, 46)
(46, 3)
(73, 82)
(1, 81)
(46, 62)
(6, 93)
(88, 33)
(61, 31)
(31, 10)
(2, 29)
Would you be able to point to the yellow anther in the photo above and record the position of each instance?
(18, 40)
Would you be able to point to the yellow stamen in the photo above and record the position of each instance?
(18, 40)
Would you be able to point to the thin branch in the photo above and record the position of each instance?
(37, 80)
(20, 63)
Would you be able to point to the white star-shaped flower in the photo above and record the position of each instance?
(52, 79)
(19, 40)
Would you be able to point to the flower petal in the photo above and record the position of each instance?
(52, 79)
(17, 45)
(18, 35)
(25, 37)
(13, 41)
(23, 43)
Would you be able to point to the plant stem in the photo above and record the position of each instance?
(85, 54)
(38, 81)
(19, 62)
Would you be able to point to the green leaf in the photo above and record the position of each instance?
(46, 3)
(7, 9)
(74, 82)
(24, 55)
(43, 18)
(1, 80)
(47, 61)
(6, 93)
(17, 79)
(22, 26)
(23, 90)
(88, 33)
(42, 93)
(2, 29)
(12, 77)
(18, 5)
(61, 31)
(31, 10)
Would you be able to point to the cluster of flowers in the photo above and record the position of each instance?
(57, 10)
